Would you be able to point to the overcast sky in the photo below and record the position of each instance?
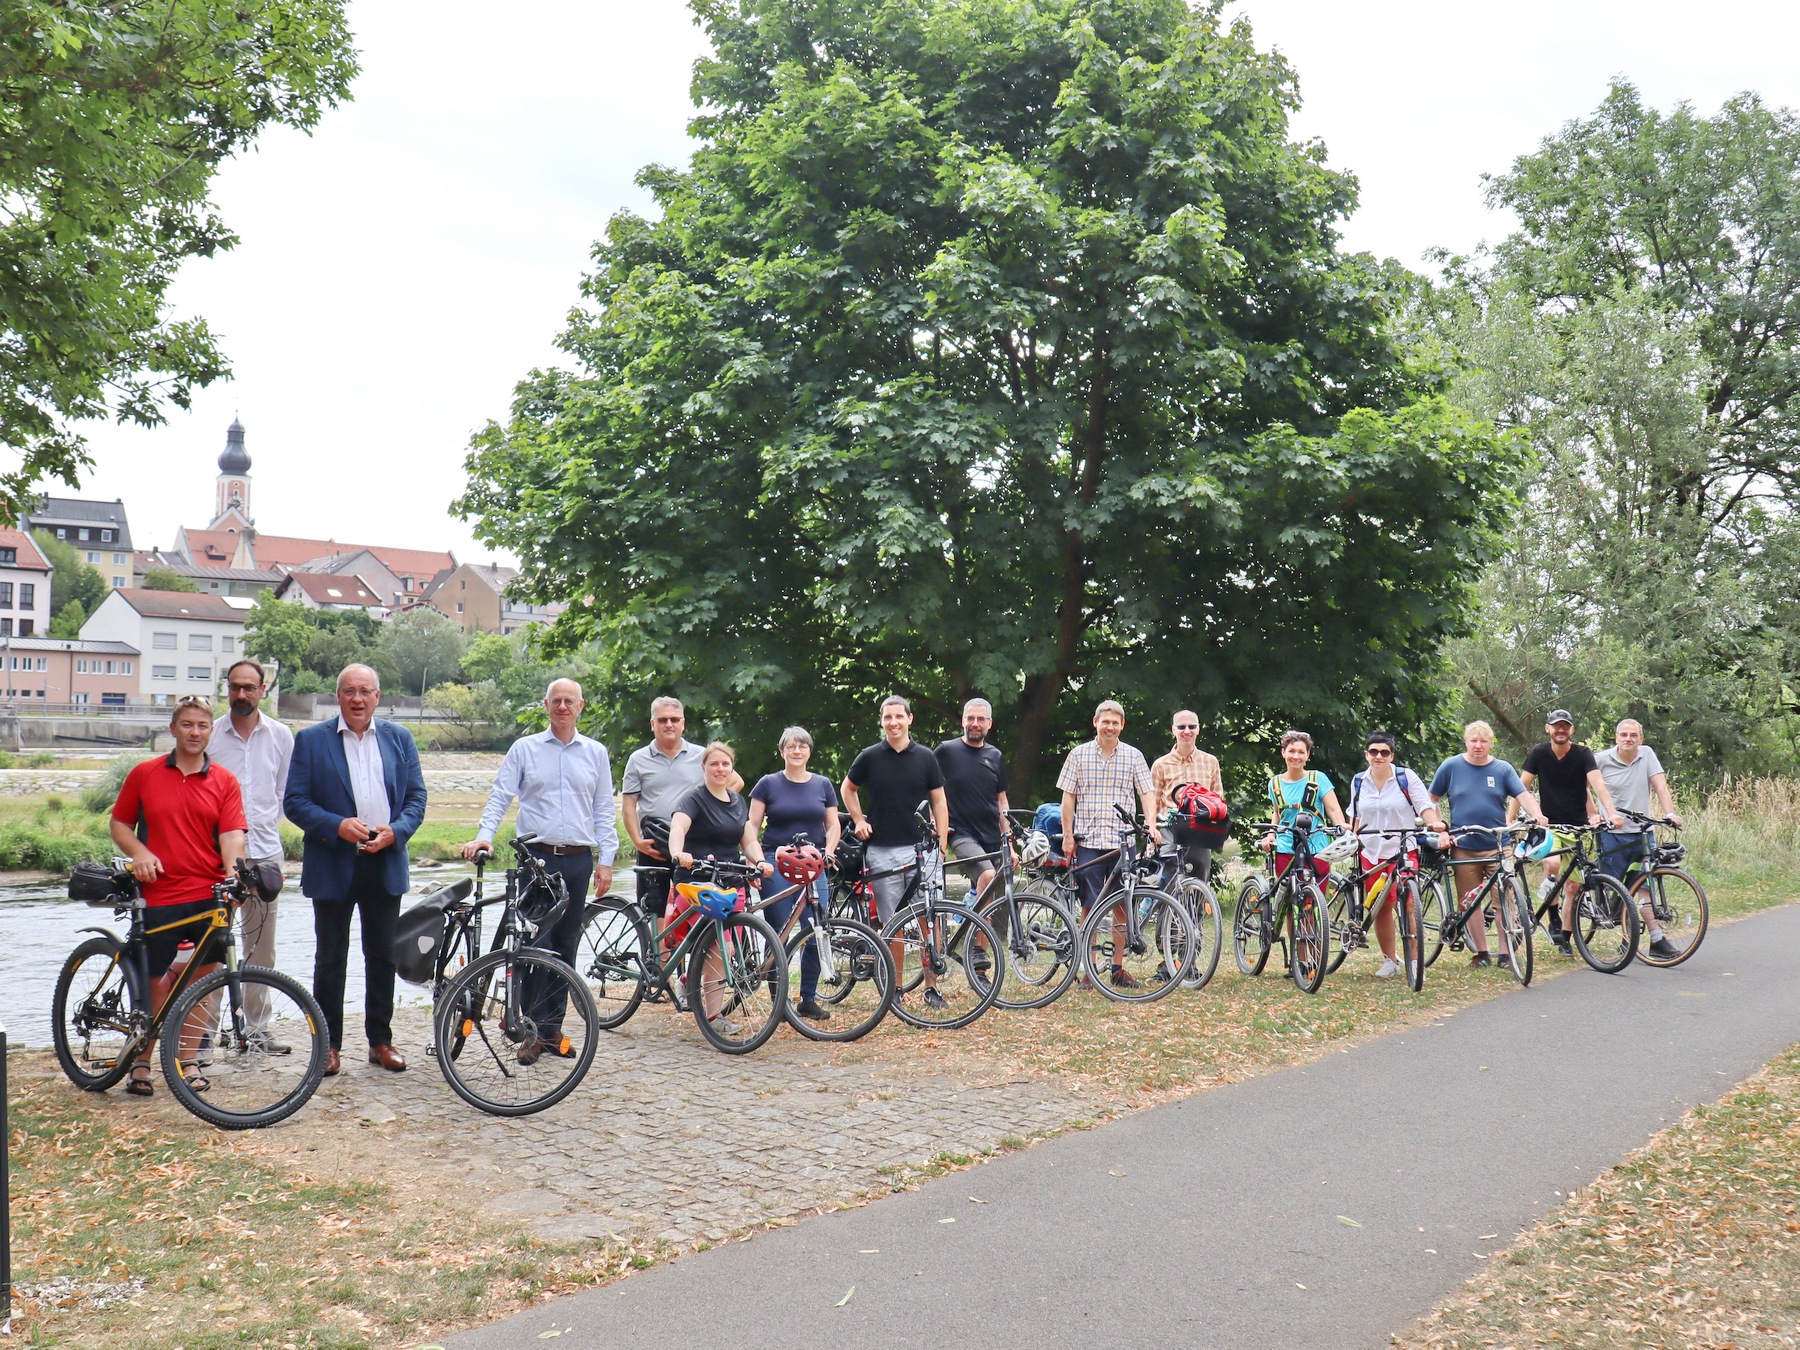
(400, 269)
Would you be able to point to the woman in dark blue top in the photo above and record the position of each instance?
(782, 805)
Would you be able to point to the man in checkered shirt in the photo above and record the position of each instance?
(1096, 777)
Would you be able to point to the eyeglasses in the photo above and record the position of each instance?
(1379, 752)
(359, 693)
(1188, 726)
(237, 688)
(661, 720)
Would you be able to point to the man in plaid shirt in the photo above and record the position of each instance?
(1096, 777)
(1182, 765)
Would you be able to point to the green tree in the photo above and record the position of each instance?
(165, 579)
(276, 630)
(71, 578)
(68, 620)
(113, 120)
(468, 714)
(419, 643)
(992, 347)
(330, 650)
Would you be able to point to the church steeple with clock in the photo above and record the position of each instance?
(232, 509)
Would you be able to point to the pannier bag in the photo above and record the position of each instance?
(98, 885)
(1200, 816)
(419, 933)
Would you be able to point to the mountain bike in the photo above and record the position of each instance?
(1202, 904)
(103, 1017)
(1674, 898)
(1265, 902)
(730, 972)
(1502, 893)
(511, 1029)
(1606, 923)
(1350, 907)
(1137, 942)
(1435, 891)
(1038, 931)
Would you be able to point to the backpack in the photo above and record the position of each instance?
(1357, 782)
(1048, 818)
(1200, 816)
(1309, 799)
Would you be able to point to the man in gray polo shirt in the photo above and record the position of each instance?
(657, 777)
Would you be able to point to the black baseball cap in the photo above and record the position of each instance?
(1560, 715)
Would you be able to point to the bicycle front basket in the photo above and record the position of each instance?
(419, 933)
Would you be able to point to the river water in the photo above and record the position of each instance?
(40, 926)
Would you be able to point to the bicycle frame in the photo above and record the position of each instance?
(1507, 868)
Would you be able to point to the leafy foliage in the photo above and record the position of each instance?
(417, 643)
(72, 578)
(166, 579)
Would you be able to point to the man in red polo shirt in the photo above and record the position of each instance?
(180, 820)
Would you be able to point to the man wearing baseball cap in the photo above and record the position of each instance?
(1569, 772)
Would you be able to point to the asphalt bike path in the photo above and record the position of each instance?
(1326, 1204)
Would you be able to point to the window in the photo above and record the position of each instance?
(93, 557)
(163, 642)
(120, 559)
(106, 536)
(118, 583)
(124, 667)
(62, 531)
(162, 672)
(462, 585)
(112, 700)
(9, 555)
(109, 667)
(406, 582)
(27, 595)
(85, 534)
(79, 700)
(199, 672)
(43, 663)
(225, 644)
(6, 594)
(459, 605)
(25, 627)
(80, 665)
(199, 642)
(5, 627)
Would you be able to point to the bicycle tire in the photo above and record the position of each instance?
(749, 990)
(861, 969)
(1434, 909)
(1250, 936)
(1512, 908)
(1684, 917)
(1041, 964)
(1337, 916)
(934, 946)
(482, 1013)
(1606, 923)
(97, 1015)
(1409, 919)
(1156, 968)
(248, 1085)
(1311, 939)
(612, 958)
(1202, 903)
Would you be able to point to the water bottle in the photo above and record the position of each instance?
(1546, 888)
(1376, 890)
(183, 954)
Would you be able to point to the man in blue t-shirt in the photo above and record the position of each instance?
(1482, 793)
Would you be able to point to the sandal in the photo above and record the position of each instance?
(191, 1075)
(140, 1087)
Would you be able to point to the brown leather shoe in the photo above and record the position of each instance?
(531, 1049)
(388, 1058)
(332, 1064)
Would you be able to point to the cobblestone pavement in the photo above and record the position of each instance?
(669, 1140)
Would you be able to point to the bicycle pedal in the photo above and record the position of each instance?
(431, 1052)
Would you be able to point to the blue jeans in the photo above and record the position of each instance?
(543, 1000)
(777, 915)
(1619, 850)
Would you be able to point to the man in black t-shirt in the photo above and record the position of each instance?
(975, 788)
(1568, 772)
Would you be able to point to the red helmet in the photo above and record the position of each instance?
(799, 865)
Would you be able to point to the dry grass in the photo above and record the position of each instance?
(1691, 1244)
(1744, 843)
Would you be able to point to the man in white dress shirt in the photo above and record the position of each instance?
(563, 782)
(257, 750)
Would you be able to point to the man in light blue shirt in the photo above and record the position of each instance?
(563, 782)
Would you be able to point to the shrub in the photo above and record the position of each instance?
(40, 759)
(100, 795)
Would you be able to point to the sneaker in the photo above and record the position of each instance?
(265, 1042)
(1161, 976)
(811, 1011)
(1561, 942)
(726, 1027)
(984, 965)
(1123, 979)
(936, 1001)
(1388, 969)
(1481, 959)
(1503, 963)
(1664, 950)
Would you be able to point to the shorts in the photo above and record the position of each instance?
(160, 948)
(1620, 850)
(1469, 875)
(966, 847)
(889, 889)
(1321, 868)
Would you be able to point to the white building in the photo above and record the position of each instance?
(187, 641)
(24, 587)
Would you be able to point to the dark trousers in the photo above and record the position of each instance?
(1194, 859)
(331, 931)
(1091, 881)
(545, 1000)
(653, 886)
(777, 915)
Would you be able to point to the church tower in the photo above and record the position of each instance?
(232, 509)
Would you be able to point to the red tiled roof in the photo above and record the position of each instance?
(212, 548)
(281, 550)
(180, 605)
(328, 588)
(28, 555)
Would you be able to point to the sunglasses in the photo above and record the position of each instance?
(1379, 752)
(194, 701)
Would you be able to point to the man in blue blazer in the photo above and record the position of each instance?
(356, 789)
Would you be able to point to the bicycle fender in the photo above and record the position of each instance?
(105, 933)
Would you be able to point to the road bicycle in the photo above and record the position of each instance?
(949, 962)
(1675, 899)
(856, 969)
(512, 1029)
(1266, 902)
(1606, 924)
(1137, 941)
(1350, 907)
(1502, 895)
(106, 1013)
(1037, 928)
(727, 968)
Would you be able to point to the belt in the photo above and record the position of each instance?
(560, 850)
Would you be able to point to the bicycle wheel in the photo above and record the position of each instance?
(1337, 920)
(857, 970)
(522, 1027)
(1152, 966)
(1312, 939)
(1202, 905)
(1606, 924)
(1409, 921)
(1039, 935)
(247, 1083)
(1679, 907)
(96, 1015)
(737, 982)
(1434, 910)
(928, 943)
(611, 959)
(1250, 936)
(1512, 908)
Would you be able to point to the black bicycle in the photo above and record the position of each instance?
(1353, 897)
(1675, 900)
(1500, 900)
(1606, 926)
(1039, 933)
(1266, 902)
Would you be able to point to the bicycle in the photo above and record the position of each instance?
(511, 1029)
(1202, 904)
(104, 1017)
(1674, 897)
(1151, 946)
(1503, 890)
(1263, 902)
(1349, 908)
(1038, 931)
(1606, 925)
(938, 946)
(856, 970)
(726, 966)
